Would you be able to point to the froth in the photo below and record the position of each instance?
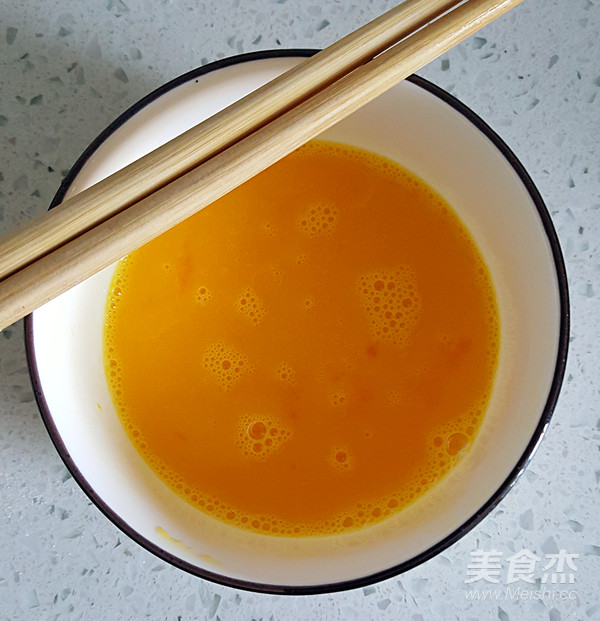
(392, 303)
(286, 373)
(308, 303)
(341, 459)
(115, 294)
(319, 219)
(251, 307)
(259, 436)
(277, 274)
(337, 398)
(203, 295)
(225, 364)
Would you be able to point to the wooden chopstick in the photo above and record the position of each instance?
(153, 171)
(146, 219)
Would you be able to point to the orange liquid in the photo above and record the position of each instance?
(309, 354)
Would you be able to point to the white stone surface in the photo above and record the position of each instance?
(68, 68)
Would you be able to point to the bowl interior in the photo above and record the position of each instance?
(421, 131)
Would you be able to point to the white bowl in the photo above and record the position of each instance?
(435, 136)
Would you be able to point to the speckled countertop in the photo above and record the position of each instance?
(68, 68)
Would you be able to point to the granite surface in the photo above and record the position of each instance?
(68, 68)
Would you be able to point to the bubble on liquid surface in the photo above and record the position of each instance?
(337, 397)
(319, 219)
(259, 435)
(277, 274)
(226, 364)
(269, 229)
(394, 397)
(456, 443)
(341, 459)
(308, 303)
(286, 373)
(392, 303)
(249, 305)
(203, 295)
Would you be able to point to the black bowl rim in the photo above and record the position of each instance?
(495, 498)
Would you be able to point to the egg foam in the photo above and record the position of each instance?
(311, 353)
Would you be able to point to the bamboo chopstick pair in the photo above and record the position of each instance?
(121, 213)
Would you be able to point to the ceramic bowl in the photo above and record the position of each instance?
(434, 135)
